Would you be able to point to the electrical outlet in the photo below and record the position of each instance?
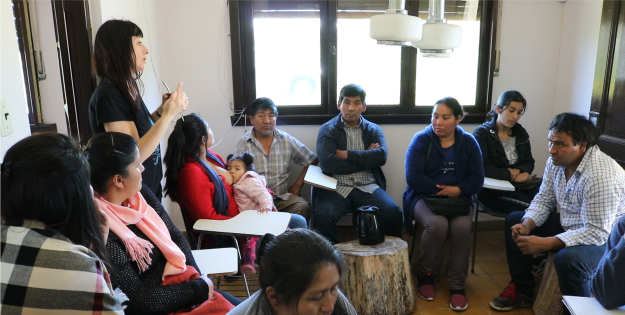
(7, 124)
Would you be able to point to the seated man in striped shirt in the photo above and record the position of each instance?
(353, 150)
(589, 187)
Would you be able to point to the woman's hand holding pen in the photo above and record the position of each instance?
(174, 103)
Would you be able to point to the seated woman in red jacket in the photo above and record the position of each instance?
(196, 178)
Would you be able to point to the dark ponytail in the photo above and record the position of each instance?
(247, 159)
(504, 101)
(183, 142)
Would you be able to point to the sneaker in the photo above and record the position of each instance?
(509, 299)
(458, 300)
(248, 260)
(426, 287)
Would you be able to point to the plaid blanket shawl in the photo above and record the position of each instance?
(43, 273)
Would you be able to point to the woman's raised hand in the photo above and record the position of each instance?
(176, 103)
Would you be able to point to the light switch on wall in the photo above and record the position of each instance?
(7, 124)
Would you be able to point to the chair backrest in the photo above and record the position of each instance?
(189, 227)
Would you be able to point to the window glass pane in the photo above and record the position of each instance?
(455, 76)
(287, 53)
(360, 60)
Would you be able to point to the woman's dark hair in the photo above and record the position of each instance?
(352, 90)
(504, 101)
(109, 154)
(114, 58)
(247, 159)
(45, 177)
(290, 261)
(262, 104)
(183, 142)
(452, 103)
(577, 126)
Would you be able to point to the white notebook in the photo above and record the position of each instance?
(588, 306)
(315, 177)
(497, 184)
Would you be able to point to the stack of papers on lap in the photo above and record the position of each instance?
(497, 184)
(588, 306)
(315, 177)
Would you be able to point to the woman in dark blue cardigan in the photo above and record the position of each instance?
(452, 168)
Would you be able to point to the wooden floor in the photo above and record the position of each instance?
(490, 278)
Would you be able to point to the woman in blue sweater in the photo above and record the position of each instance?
(442, 160)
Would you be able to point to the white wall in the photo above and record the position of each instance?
(548, 52)
(12, 78)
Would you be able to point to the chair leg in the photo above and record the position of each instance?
(312, 208)
(199, 241)
(475, 207)
(236, 243)
(412, 245)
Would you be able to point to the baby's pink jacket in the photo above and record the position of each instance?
(250, 192)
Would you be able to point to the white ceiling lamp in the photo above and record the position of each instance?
(439, 38)
(396, 27)
(435, 38)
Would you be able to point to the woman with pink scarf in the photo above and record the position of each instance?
(155, 267)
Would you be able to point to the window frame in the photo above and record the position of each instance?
(244, 79)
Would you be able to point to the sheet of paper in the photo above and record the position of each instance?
(497, 184)
(588, 306)
(315, 177)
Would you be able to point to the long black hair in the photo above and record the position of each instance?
(183, 142)
(114, 58)
(290, 261)
(45, 177)
(109, 154)
(504, 101)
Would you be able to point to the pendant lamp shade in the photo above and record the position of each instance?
(439, 39)
(395, 29)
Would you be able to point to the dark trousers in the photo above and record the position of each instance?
(330, 207)
(574, 265)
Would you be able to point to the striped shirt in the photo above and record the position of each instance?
(363, 180)
(276, 166)
(43, 273)
(590, 201)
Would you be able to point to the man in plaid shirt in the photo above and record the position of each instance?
(589, 187)
(273, 152)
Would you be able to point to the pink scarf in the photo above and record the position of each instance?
(136, 211)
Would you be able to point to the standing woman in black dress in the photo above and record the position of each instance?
(117, 105)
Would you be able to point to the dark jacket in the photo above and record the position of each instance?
(332, 137)
(496, 163)
(420, 173)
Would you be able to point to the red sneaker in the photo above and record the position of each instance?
(458, 300)
(426, 289)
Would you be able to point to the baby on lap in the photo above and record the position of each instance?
(250, 193)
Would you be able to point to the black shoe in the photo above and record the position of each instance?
(509, 299)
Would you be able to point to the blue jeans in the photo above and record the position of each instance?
(330, 207)
(575, 265)
(297, 222)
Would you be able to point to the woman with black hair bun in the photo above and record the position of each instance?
(299, 273)
(154, 264)
(507, 155)
(54, 257)
(119, 58)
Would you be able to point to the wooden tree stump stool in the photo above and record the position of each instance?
(549, 299)
(377, 278)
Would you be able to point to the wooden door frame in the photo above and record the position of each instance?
(602, 94)
(72, 26)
